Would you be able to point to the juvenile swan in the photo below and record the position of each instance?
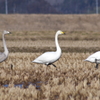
(4, 55)
(94, 58)
(48, 58)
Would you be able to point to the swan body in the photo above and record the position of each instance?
(4, 55)
(49, 58)
(94, 58)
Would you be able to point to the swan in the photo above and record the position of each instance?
(48, 58)
(94, 58)
(4, 55)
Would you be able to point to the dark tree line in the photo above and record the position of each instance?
(79, 6)
(42, 6)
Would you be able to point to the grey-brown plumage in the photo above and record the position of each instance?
(4, 55)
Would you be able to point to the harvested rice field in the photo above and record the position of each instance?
(72, 79)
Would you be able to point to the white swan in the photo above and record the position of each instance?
(49, 58)
(4, 55)
(94, 58)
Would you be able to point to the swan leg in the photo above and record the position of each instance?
(53, 65)
(96, 65)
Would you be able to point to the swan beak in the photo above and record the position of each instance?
(63, 33)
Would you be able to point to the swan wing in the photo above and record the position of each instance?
(47, 57)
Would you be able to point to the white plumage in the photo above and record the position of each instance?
(4, 55)
(94, 58)
(49, 58)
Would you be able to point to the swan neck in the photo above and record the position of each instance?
(4, 44)
(58, 49)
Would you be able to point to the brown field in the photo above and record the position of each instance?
(45, 22)
(73, 79)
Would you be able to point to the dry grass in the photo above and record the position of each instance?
(40, 22)
(73, 79)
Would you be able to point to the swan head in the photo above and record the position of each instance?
(60, 32)
(6, 32)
